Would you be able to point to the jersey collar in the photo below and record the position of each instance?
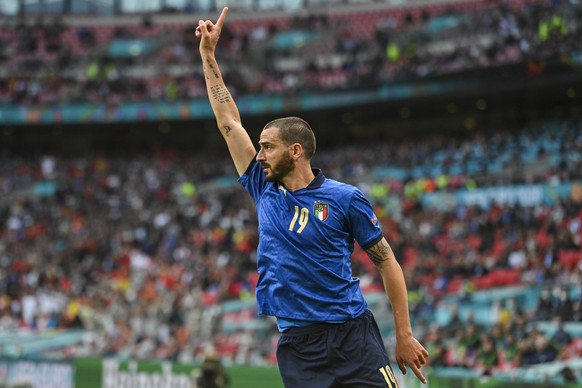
(318, 180)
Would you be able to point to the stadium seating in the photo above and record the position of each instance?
(132, 249)
(27, 58)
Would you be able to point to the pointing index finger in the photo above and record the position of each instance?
(418, 373)
(221, 18)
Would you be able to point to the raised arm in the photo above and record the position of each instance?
(409, 352)
(225, 110)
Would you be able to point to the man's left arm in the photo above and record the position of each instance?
(409, 352)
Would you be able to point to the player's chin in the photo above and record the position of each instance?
(270, 177)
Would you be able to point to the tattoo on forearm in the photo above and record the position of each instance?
(227, 130)
(220, 93)
(211, 67)
(380, 252)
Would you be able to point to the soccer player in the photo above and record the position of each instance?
(307, 228)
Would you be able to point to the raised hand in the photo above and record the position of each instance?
(209, 32)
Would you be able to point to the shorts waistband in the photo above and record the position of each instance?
(320, 326)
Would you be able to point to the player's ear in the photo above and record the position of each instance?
(296, 150)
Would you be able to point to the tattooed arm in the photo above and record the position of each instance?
(225, 110)
(409, 352)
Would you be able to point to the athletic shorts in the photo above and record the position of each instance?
(326, 355)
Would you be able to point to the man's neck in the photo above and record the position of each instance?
(298, 179)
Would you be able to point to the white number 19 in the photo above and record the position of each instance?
(389, 376)
(302, 219)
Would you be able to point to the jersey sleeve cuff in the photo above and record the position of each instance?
(373, 242)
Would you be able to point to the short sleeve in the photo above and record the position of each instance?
(253, 180)
(363, 222)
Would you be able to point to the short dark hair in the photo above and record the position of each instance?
(295, 130)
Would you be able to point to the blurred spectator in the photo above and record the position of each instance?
(568, 375)
(561, 338)
(212, 374)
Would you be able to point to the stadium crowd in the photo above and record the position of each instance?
(141, 250)
(49, 62)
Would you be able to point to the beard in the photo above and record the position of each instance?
(281, 169)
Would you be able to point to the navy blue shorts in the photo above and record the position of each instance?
(322, 355)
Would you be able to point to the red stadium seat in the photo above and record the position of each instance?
(569, 258)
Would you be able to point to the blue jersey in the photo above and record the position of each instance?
(306, 239)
